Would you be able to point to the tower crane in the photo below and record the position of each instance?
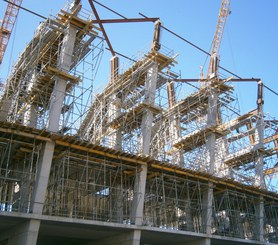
(214, 58)
(7, 25)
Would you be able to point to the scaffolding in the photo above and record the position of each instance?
(92, 182)
(29, 88)
(208, 168)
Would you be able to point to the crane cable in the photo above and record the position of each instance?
(27, 10)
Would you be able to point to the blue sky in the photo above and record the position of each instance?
(249, 45)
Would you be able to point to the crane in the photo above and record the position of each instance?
(7, 25)
(222, 17)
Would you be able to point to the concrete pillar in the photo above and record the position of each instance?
(259, 162)
(148, 114)
(259, 138)
(211, 168)
(156, 38)
(4, 109)
(211, 139)
(140, 182)
(114, 107)
(118, 211)
(207, 209)
(188, 210)
(58, 94)
(114, 110)
(174, 127)
(31, 116)
(222, 169)
(114, 69)
(259, 222)
(42, 177)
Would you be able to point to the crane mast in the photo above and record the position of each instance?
(8, 24)
(222, 17)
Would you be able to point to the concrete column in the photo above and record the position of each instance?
(140, 182)
(114, 107)
(207, 209)
(114, 69)
(114, 110)
(188, 210)
(174, 127)
(259, 222)
(117, 212)
(31, 116)
(58, 94)
(259, 162)
(148, 114)
(222, 169)
(174, 131)
(210, 146)
(42, 177)
(211, 139)
(4, 109)
(189, 218)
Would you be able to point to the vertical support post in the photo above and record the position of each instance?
(114, 110)
(4, 109)
(42, 177)
(259, 222)
(141, 177)
(259, 178)
(211, 139)
(211, 165)
(259, 161)
(174, 127)
(58, 94)
(213, 66)
(207, 209)
(188, 209)
(31, 116)
(156, 38)
(114, 68)
(114, 107)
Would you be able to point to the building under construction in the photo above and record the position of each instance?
(139, 163)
